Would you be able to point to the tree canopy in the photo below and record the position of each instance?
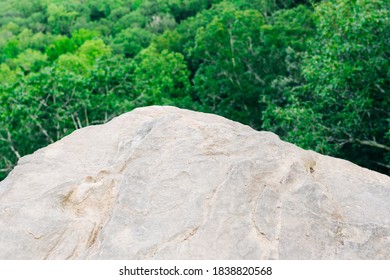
(316, 73)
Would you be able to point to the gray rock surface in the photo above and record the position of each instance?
(165, 183)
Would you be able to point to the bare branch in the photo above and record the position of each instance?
(79, 122)
(86, 115)
(41, 128)
(5, 169)
(11, 145)
(382, 164)
(373, 143)
(74, 121)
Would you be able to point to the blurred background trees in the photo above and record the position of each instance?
(342, 106)
(314, 72)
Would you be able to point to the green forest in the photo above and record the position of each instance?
(316, 73)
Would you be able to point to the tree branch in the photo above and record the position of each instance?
(382, 164)
(373, 143)
(11, 144)
(41, 128)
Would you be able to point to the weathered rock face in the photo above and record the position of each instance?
(165, 183)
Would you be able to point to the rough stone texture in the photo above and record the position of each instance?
(165, 183)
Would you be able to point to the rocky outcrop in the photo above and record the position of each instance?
(166, 183)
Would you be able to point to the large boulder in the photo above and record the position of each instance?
(166, 183)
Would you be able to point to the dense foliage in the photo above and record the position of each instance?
(315, 72)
